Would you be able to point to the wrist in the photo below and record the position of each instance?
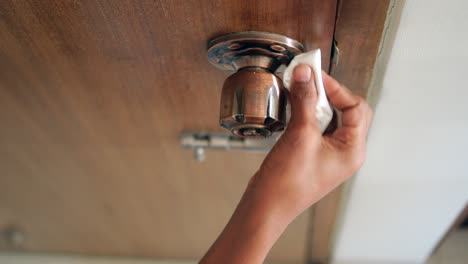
(270, 200)
(252, 230)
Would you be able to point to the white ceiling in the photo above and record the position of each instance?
(415, 180)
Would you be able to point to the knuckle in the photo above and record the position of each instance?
(341, 86)
(361, 103)
(362, 107)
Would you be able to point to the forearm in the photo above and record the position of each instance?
(251, 232)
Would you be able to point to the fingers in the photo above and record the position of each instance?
(356, 116)
(303, 97)
(355, 122)
(338, 95)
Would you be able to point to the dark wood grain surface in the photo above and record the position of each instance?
(93, 95)
(359, 28)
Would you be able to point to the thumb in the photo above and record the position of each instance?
(303, 97)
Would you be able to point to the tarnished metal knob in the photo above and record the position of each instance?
(253, 99)
(253, 103)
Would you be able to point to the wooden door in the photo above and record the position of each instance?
(93, 96)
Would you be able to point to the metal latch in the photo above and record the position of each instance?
(198, 141)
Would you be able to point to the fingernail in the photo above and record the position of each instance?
(302, 73)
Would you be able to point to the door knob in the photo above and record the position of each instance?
(253, 98)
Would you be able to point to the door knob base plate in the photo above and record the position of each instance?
(265, 50)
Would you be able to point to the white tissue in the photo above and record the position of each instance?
(313, 58)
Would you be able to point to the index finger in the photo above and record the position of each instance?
(355, 109)
(339, 96)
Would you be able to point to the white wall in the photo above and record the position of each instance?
(415, 180)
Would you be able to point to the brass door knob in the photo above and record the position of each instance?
(253, 99)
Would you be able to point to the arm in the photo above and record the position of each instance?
(302, 167)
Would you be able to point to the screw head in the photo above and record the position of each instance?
(278, 48)
(234, 46)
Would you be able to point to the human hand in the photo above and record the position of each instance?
(302, 167)
(305, 165)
